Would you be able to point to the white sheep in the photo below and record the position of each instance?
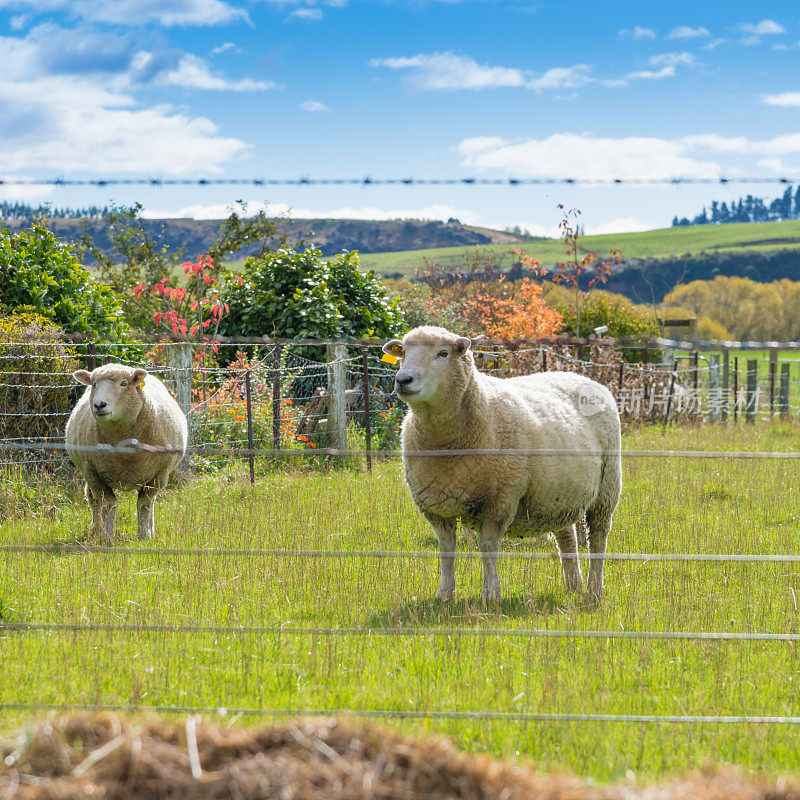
(453, 406)
(124, 403)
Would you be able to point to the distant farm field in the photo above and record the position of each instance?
(292, 595)
(759, 237)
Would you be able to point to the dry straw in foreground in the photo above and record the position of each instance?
(106, 756)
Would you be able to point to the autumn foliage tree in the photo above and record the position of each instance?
(580, 268)
(481, 300)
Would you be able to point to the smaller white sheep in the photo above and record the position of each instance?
(124, 403)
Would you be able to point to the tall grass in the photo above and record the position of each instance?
(668, 506)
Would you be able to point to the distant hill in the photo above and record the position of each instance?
(330, 235)
(653, 261)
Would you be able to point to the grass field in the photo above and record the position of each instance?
(758, 237)
(668, 506)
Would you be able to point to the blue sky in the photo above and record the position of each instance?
(425, 88)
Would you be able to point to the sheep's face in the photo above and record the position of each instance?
(117, 392)
(430, 359)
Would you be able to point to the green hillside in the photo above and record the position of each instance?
(760, 237)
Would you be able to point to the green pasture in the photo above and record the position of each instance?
(758, 237)
(470, 657)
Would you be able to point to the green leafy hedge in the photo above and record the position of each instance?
(39, 272)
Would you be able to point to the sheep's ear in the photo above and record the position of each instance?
(462, 345)
(138, 377)
(395, 347)
(82, 376)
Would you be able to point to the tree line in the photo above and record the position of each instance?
(747, 209)
(28, 213)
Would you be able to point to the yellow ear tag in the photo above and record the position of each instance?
(141, 385)
(389, 358)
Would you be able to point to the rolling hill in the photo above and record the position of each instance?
(759, 237)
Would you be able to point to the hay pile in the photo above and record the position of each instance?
(105, 756)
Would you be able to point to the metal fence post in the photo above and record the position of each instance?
(365, 397)
(91, 361)
(250, 454)
(735, 388)
(714, 388)
(336, 356)
(725, 385)
(276, 397)
(773, 371)
(752, 390)
(783, 404)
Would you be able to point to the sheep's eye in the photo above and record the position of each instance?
(123, 383)
(442, 354)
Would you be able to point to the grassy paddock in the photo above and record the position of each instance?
(668, 505)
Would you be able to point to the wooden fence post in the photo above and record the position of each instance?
(336, 356)
(752, 389)
(178, 378)
(735, 388)
(726, 365)
(783, 404)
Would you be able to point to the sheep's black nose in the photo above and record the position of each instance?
(100, 404)
(403, 380)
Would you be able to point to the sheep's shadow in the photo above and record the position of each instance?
(431, 612)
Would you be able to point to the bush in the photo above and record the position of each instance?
(303, 296)
(599, 308)
(39, 272)
(37, 391)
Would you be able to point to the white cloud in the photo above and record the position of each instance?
(132, 13)
(307, 14)
(766, 27)
(564, 155)
(673, 59)
(23, 193)
(69, 122)
(686, 32)
(449, 71)
(783, 99)
(753, 32)
(618, 225)
(314, 106)
(219, 211)
(781, 145)
(193, 72)
(561, 78)
(637, 33)
(225, 47)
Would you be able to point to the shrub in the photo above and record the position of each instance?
(36, 387)
(39, 272)
(301, 295)
(599, 308)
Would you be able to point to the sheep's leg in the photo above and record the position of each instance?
(599, 522)
(146, 511)
(446, 533)
(489, 545)
(568, 549)
(103, 503)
